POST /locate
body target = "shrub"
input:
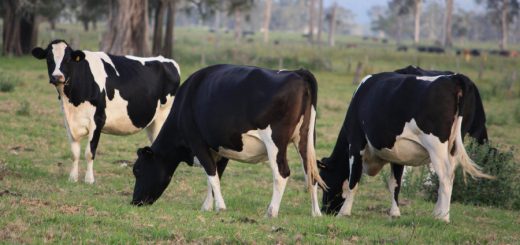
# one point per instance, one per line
(7, 83)
(504, 191)
(25, 109)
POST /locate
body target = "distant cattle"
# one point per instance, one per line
(469, 52)
(402, 48)
(408, 117)
(104, 93)
(243, 113)
(504, 53)
(430, 49)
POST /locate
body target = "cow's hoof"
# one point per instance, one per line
(222, 209)
(271, 212)
(316, 213)
(89, 179)
(207, 207)
(344, 215)
(73, 177)
(445, 218)
(394, 213)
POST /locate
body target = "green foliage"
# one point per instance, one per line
(25, 109)
(504, 191)
(7, 83)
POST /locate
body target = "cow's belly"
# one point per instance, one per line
(253, 149)
(117, 119)
(405, 152)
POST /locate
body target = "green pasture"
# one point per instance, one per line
(39, 205)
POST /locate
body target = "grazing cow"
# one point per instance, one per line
(103, 93)
(408, 117)
(243, 113)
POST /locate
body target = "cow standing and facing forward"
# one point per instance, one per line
(410, 117)
(103, 93)
(243, 113)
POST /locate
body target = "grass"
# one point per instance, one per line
(38, 204)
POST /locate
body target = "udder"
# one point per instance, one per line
(253, 149)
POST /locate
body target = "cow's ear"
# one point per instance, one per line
(145, 152)
(39, 53)
(77, 55)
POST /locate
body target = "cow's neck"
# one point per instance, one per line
(339, 155)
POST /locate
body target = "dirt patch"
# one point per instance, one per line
(16, 150)
(13, 232)
(9, 193)
(37, 204)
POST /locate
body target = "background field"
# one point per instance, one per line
(38, 204)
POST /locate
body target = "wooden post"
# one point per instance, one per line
(357, 74)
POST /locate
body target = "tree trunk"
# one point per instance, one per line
(320, 20)
(94, 24)
(52, 23)
(504, 25)
(267, 19)
(417, 20)
(170, 25)
(447, 24)
(158, 27)
(399, 29)
(127, 28)
(85, 25)
(11, 33)
(312, 15)
(238, 24)
(29, 32)
(332, 25)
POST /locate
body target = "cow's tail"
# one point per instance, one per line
(468, 165)
(313, 174)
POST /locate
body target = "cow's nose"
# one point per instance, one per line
(57, 78)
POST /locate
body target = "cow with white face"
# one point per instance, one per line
(409, 117)
(103, 93)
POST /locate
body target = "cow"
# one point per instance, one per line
(104, 93)
(409, 117)
(243, 113)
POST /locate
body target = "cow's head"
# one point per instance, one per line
(334, 177)
(152, 175)
(60, 59)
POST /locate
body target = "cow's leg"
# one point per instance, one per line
(75, 147)
(90, 151)
(394, 186)
(302, 149)
(444, 165)
(279, 167)
(208, 202)
(351, 184)
(152, 131)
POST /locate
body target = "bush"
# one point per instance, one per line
(7, 83)
(504, 191)
(25, 109)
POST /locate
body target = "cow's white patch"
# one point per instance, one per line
(104, 56)
(215, 187)
(279, 182)
(161, 114)
(97, 69)
(348, 194)
(77, 118)
(58, 51)
(208, 202)
(118, 121)
(76, 151)
(392, 184)
(253, 149)
(159, 58)
(430, 78)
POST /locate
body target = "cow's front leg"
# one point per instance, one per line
(75, 147)
(90, 152)
(350, 185)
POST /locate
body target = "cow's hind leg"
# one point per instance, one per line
(394, 186)
(208, 202)
(444, 165)
(279, 167)
(351, 184)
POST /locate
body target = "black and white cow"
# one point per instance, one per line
(242, 113)
(103, 93)
(409, 117)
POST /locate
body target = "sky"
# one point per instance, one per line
(361, 7)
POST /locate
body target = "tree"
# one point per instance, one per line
(320, 20)
(237, 7)
(89, 11)
(502, 13)
(417, 20)
(447, 41)
(332, 24)
(312, 17)
(267, 19)
(21, 21)
(127, 28)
